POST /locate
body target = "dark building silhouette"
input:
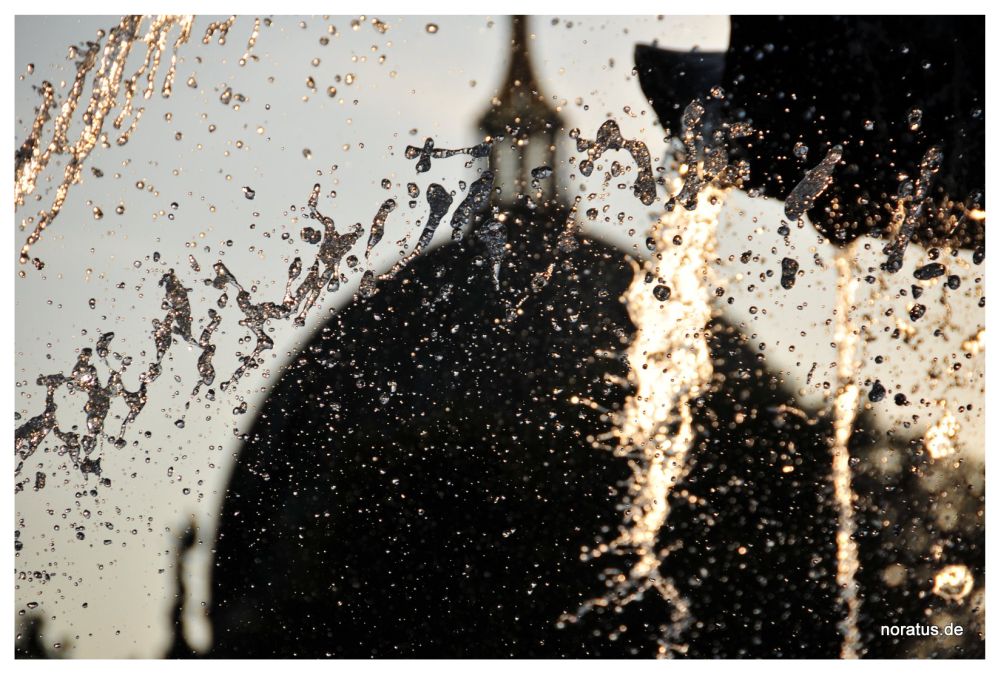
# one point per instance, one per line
(527, 122)
(420, 484)
(434, 498)
(179, 648)
(885, 88)
(28, 644)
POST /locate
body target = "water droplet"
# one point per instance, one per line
(661, 292)
(929, 271)
(877, 392)
(789, 268)
(812, 185)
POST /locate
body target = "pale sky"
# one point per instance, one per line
(434, 83)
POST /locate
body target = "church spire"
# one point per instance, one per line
(521, 114)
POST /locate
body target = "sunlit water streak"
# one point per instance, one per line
(845, 408)
(109, 82)
(670, 365)
(111, 88)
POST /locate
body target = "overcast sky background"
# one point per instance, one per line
(430, 84)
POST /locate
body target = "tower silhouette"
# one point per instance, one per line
(522, 116)
(420, 482)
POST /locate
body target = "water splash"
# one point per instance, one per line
(220, 27)
(109, 83)
(178, 321)
(939, 440)
(324, 274)
(378, 226)
(424, 154)
(656, 432)
(916, 197)
(706, 162)
(609, 137)
(475, 202)
(812, 186)
(494, 236)
(691, 123)
(248, 55)
(110, 86)
(954, 583)
(670, 365)
(438, 201)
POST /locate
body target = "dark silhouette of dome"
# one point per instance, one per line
(420, 481)
(420, 484)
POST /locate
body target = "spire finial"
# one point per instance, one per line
(520, 113)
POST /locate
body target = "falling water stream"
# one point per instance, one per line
(844, 414)
(670, 366)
